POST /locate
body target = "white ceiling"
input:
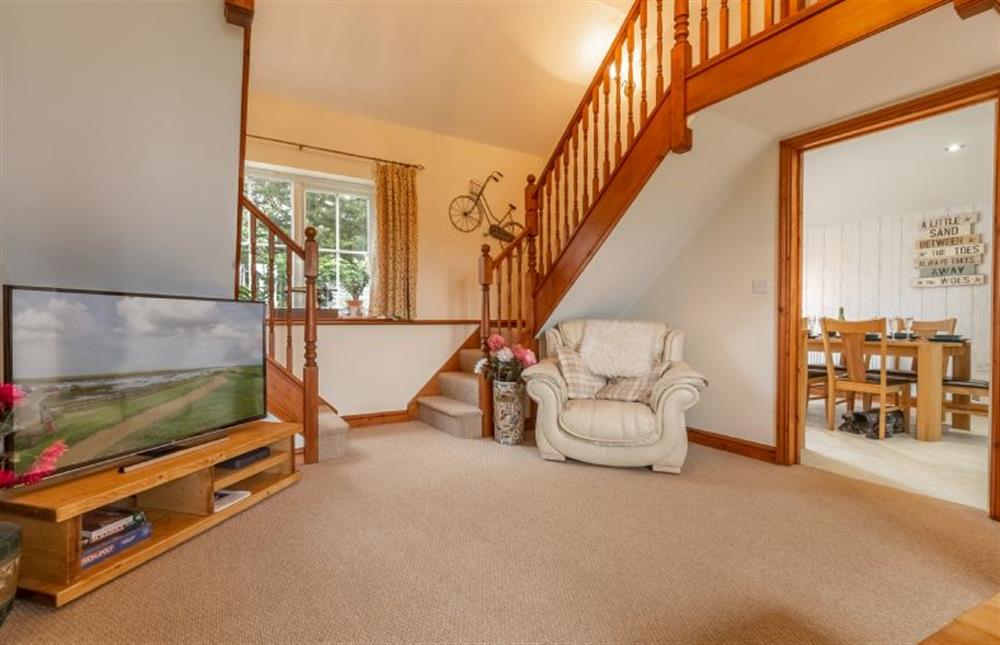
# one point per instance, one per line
(902, 170)
(499, 72)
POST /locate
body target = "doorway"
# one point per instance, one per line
(851, 247)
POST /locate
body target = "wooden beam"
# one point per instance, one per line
(239, 12)
(969, 8)
(811, 33)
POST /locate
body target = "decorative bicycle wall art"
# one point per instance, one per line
(468, 211)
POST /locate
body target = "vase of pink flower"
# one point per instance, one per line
(503, 367)
(44, 464)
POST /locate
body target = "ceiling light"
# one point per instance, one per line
(954, 147)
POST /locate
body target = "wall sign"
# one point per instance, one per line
(948, 252)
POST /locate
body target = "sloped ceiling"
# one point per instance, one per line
(929, 52)
(504, 73)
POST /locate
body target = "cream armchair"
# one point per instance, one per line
(651, 432)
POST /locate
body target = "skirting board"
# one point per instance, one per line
(376, 418)
(742, 447)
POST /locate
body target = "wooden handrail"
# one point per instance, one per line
(271, 226)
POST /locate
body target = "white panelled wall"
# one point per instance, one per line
(866, 267)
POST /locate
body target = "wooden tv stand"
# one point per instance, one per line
(176, 494)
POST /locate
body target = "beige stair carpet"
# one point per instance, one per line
(416, 537)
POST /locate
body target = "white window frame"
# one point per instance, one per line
(309, 180)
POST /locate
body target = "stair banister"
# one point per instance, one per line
(680, 63)
(310, 372)
(485, 281)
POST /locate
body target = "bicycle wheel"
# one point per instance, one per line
(464, 214)
(514, 228)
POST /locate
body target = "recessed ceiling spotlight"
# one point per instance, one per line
(954, 147)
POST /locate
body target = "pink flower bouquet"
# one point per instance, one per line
(505, 363)
(44, 465)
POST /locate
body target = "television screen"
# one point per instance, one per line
(113, 374)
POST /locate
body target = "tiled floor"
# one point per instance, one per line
(954, 469)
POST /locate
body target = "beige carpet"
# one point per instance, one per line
(418, 536)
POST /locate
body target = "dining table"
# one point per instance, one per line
(933, 358)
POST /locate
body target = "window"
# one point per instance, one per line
(340, 209)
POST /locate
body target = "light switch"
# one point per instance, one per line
(760, 286)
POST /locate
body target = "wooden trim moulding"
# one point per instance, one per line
(376, 418)
(734, 445)
(324, 318)
(789, 368)
(969, 8)
(239, 12)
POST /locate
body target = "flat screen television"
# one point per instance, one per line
(116, 374)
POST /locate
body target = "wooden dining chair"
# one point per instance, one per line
(972, 388)
(923, 329)
(857, 379)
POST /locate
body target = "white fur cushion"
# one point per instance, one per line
(619, 348)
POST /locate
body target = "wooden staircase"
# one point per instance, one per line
(635, 112)
(274, 269)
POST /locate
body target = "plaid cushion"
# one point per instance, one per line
(637, 389)
(580, 382)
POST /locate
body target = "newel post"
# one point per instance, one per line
(680, 63)
(310, 372)
(531, 227)
(485, 280)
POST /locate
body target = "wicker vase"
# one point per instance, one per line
(10, 554)
(508, 412)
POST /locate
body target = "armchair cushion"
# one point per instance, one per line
(610, 422)
(621, 348)
(580, 382)
(636, 389)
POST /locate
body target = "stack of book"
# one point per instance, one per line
(108, 531)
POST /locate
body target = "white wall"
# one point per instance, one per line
(375, 368)
(730, 331)
(866, 267)
(863, 201)
(120, 129)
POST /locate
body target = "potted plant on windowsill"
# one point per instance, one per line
(354, 278)
(503, 366)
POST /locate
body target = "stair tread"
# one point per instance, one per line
(449, 406)
(464, 376)
(330, 421)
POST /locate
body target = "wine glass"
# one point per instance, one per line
(908, 322)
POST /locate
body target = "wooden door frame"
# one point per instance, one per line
(789, 441)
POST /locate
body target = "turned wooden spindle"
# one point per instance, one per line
(576, 184)
(565, 160)
(531, 205)
(519, 276)
(485, 280)
(586, 156)
(703, 33)
(618, 105)
(768, 13)
(310, 371)
(288, 308)
(723, 25)
(659, 50)
(548, 213)
(499, 296)
(744, 20)
(253, 257)
(270, 294)
(607, 118)
(557, 221)
(509, 262)
(630, 85)
(596, 102)
(680, 63)
(643, 19)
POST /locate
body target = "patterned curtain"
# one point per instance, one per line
(394, 283)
